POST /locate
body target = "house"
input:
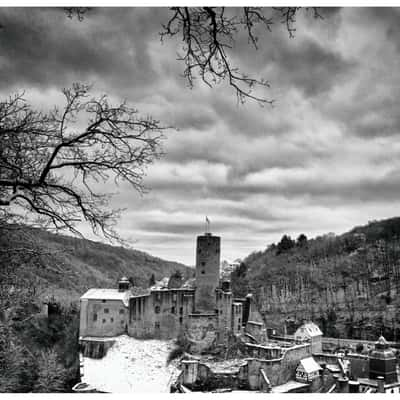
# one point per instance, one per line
(309, 332)
(307, 370)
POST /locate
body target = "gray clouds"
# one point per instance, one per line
(324, 158)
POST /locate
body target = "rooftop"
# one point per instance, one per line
(107, 294)
(288, 386)
(310, 328)
(310, 365)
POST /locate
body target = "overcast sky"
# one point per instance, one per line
(324, 159)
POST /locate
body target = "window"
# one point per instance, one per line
(157, 309)
(103, 301)
(94, 317)
(239, 327)
(203, 272)
(181, 310)
(157, 325)
(106, 311)
(111, 320)
(122, 322)
(104, 321)
(180, 320)
(172, 310)
(203, 263)
(122, 311)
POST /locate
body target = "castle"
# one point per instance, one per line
(204, 310)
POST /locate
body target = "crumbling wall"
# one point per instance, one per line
(202, 330)
(278, 370)
(224, 309)
(199, 377)
(95, 348)
(162, 314)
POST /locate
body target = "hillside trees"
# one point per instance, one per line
(239, 280)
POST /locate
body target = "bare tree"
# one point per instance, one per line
(208, 36)
(51, 163)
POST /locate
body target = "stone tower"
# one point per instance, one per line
(207, 272)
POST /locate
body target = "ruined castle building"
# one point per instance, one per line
(208, 256)
(204, 310)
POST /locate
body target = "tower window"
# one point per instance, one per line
(94, 317)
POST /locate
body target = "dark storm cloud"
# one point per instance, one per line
(311, 67)
(42, 47)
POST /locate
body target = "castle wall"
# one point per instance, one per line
(202, 331)
(103, 318)
(279, 370)
(237, 314)
(161, 315)
(207, 272)
(224, 309)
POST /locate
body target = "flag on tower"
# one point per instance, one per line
(207, 225)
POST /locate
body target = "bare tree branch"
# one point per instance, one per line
(208, 35)
(50, 164)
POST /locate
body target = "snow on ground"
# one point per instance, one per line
(131, 365)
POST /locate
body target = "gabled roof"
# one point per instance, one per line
(310, 329)
(309, 365)
(107, 294)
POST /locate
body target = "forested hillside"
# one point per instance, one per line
(349, 284)
(65, 267)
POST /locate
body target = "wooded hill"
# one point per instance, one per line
(349, 284)
(65, 267)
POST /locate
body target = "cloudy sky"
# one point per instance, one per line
(326, 157)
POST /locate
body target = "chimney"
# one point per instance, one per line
(381, 384)
(354, 387)
(123, 284)
(343, 384)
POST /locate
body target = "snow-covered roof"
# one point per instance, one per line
(107, 294)
(309, 365)
(161, 284)
(310, 329)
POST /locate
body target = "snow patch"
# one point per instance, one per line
(132, 365)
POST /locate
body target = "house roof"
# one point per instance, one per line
(107, 294)
(309, 365)
(310, 329)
